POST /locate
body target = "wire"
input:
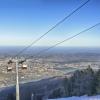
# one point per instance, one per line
(45, 50)
(61, 21)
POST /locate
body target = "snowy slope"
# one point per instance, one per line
(80, 98)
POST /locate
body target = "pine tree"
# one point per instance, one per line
(98, 82)
(83, 82)
(67, 87)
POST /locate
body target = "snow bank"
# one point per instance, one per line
(80, 98)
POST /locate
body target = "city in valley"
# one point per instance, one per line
(45, 66)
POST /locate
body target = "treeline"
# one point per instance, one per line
(82, 82)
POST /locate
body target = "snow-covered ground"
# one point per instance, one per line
(80, 98)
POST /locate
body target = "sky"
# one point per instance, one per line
(23, 21)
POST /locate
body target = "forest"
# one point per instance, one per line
(82, 82)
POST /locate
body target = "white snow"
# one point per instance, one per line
(79, 98)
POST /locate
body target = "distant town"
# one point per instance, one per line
(33, 69)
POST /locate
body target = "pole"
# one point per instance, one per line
(17, 81)
(32, 96)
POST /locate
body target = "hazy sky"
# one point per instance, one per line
(22, 21)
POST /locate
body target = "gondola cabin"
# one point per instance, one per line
(9, 68)
(24, 66)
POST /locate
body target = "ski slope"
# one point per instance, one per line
(79, 98)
